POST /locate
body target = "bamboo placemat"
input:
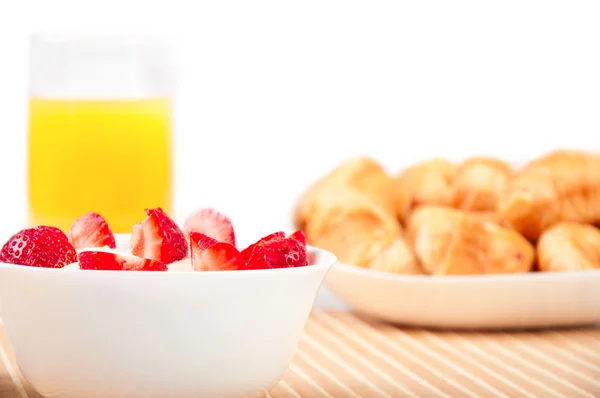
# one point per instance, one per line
(343, 355)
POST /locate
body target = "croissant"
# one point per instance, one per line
(428, 182)
(478, 184)
(569, 246)
(454, 242)
(360, 173)
(561, 186)
(359, 231)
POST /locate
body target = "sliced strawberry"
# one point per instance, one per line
(274, 236)
(299, 236)
(220, 256)
(211, 223)
(275, 251)
(145, 265)
(158, 238)
(201, 241)
(255, 256)
(41, 246)
(91, 230)
(247, 252)
(285, 253)
(98, 260)
(198, 244)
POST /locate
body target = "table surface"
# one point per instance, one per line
(343, 355)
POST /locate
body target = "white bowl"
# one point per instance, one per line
(157, 334)
(529, 300)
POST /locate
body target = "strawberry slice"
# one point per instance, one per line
(276, 251)
(98, 260)
(198, 244)
(221, 256)
(284, 253)
(299, 236)
(91, 230)
(211, 223)
(255, 256)
(247, 252)
(274, 236)
(42, 246)
(158, 238)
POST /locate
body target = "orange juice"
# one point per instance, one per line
(112, 157)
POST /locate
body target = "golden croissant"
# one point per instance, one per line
(360, 173)
(478, 183)
(569, 246)
(454, 242)
(428, 182)
(561, 186)
(358, 231)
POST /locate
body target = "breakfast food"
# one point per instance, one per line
(454, 242)
(209, 254)
(569, 246)
(91, 230)
(359, 231)
(561, 186)
(362, 174)
(479, 216)
(211, 223)
(428, 182)
(478, 183)
(42, 246)
(277, 251)
(155, 244)
(101, 260)
(158, 238)
(475, 185)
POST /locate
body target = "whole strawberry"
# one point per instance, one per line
(41, 246)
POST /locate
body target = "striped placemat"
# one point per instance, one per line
(343, 355)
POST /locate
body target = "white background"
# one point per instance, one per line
(272, 94)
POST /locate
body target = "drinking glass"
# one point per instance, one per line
(100, 136)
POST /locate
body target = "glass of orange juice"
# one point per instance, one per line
(100, 134)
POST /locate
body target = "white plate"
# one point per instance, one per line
(483, 302)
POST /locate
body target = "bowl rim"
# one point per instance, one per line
(442, 279)
(326, 261)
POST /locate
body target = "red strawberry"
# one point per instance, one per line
(255, 256)
(220, 256)
(247, 252)
(199, 243)
(91, 230)
(275, 251)
(158, 238)
(274, 236)
(285, 253)
(299, 236)
(211, 223)
(98, 260)
(41, 246)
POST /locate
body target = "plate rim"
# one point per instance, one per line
(442, 279)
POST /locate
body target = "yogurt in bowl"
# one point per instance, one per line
(157, 334)
(106, 324)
